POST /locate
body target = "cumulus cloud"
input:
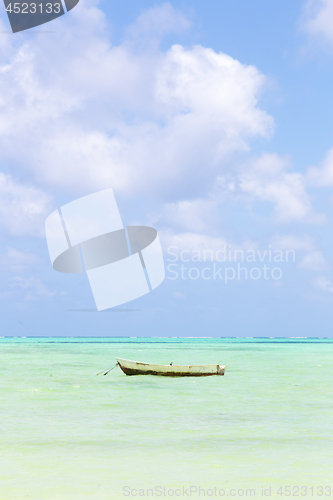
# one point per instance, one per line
(269, 179)
(324, 284)
(32, 288)
(23, 208)
(192, 241)
(190, 215)
(317, 20)
(202, 247)
(322, 175)
(303, 243)
(80, 114)
(188, 245)
(157, 22)
(17, 260)
(314, 261)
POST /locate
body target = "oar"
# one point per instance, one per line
(107, 370)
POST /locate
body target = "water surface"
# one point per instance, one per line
(68, 434)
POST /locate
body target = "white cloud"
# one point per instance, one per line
(268, 179)
(322, 175)
(81, 115)
(304, 243)
(317, 20)
(141, 120)
(203, 247)
(314, 261)
(22, 208)
(33, 288)
(190, 215)
(156, 22)
(323, 284)
(191, 242)
(16, 260)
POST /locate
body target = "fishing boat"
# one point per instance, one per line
(137, 368)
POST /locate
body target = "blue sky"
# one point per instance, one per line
(212, 123)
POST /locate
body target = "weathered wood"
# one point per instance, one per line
(137, 368)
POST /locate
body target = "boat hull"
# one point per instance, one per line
(137, 368)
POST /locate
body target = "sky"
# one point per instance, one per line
(212, 123)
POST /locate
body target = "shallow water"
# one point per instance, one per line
(68, 434)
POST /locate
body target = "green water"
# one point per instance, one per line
(68, 434)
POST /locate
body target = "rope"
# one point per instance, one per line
(107, 370)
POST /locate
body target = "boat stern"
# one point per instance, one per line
(220, 370)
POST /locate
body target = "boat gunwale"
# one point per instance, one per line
(168, 366)
(169, 370)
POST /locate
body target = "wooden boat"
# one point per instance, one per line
(136, 368)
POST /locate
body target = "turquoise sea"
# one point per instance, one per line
(265, 429)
